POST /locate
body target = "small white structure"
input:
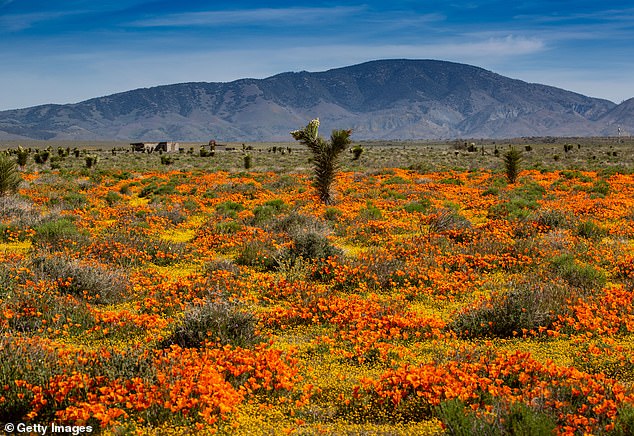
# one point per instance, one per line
(149, 147)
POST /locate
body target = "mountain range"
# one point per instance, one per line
(383, 99)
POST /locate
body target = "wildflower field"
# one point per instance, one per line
(432, 296)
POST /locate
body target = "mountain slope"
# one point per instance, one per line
(621, 116)
(380, 99)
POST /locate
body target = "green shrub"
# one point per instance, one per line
(452, 181)
(332, 214)
(551, 218)
(228, 227)
(370, 212)
(490, 191)
(56, 231)
(22, 359)
(265, 212)
(515, 419)
(421, 206)
(295, 223)
(229, 208)
(41, 157)
(574, 174)
(576, 274)
(395, 180)
(624, 425)
(167, 160)
(589, 229)
(520, 201)
(125, 189)
(112, 198)
(95, 282)
(257, 254)
(310, 246)
(600, 188)
(447, 219)
(525, 305)
(75, 200)
(221, 322)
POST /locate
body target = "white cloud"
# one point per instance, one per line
(249, 16)
(18, 22)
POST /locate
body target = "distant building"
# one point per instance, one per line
(149, 147)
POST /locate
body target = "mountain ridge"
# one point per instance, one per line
(382, 99)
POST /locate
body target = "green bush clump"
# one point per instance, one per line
(91, 160)
(624, 425)
(589, 229)
(332, 214)
(310, 246)
(215, 321)
(524, 305)
(98, 283)
(257, 254)
(21, 359)
(550, 218)
(515, 419)
(228, 227)
(520, 201)
(395, 180)
(579, 275)
(265, 212)
(41, 157)
(112, 198)
(229, 208)
(421, 206)
(447, 219)
(56, 231)
(600, 188)
(75, 200)
(370, 212)
(451, 181)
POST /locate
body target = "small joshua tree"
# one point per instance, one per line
(23, 156)
(512, 159)
(9, 177)
(357, 150)
(325, 154)
(91, 160)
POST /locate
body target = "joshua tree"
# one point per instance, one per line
(325, 154)
(512, 160)
(9, 177)
(91, 160)
(247, 161)
(23, 156)
(357, 150)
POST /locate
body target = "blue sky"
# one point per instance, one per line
(68, 51)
